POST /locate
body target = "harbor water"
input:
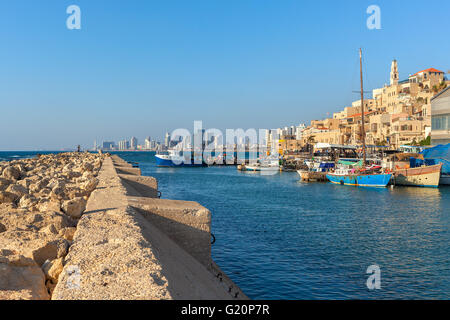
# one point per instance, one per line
(279, 238)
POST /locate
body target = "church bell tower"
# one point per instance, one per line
(394, 73)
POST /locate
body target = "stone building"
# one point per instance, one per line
(440, 118)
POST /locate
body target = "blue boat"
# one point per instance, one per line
(360, 180)
(174, 159)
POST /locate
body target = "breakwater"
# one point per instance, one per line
(126, 243)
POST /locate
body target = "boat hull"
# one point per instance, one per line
(364, 180)
(255, 168)
(167, 162)
(428, 176)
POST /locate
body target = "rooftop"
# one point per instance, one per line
(359, 114)
(428, 70)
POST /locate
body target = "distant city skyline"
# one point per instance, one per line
(146, 68)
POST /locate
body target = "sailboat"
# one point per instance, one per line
(360, 176)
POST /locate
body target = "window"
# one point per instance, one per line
(440, 122)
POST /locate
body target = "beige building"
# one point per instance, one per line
(405, 130)
(399, 113)
(440, 115)
(287, 146)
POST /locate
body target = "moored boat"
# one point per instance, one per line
(359, 179)
(410, 169)
(263, 164)
(172, 158)
(425, 176)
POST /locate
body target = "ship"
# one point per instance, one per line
(263, 164)
(177, 158)
(410, 169)
(359, 178)
(357, 174)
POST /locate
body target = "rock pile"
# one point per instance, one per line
(41, 201)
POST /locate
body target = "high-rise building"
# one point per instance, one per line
(167, 140)
(108, 145)
(133, 143)
(147, 143)
(124, 145)
(299, 131)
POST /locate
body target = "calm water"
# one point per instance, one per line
(278, 238)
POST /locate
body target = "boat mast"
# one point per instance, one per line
(363, 132)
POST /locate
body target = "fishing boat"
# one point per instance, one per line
(176, 158)
(350, 177)
(353, 174)
(410, 169)
(425, 176)
(263, 164)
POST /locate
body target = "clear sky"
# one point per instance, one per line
(139, 68)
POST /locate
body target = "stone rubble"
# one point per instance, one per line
(41, 201)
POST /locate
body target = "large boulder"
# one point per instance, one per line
(21, 278)
(38, 246)
(17, 189)
(87, 166)
(68, 233)
(75, 207)
(52, 269)
(4, 183)
(46, 205)
(89, 185)
(27, 201)
(8, 197)
(39, 185)
(11, 173)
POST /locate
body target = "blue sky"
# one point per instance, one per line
(139, 68)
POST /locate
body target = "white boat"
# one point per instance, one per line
(264, 164)
(176, 158)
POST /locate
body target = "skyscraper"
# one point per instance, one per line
(167, 140)
(147, 143)
(133, 143)
(108, 145)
